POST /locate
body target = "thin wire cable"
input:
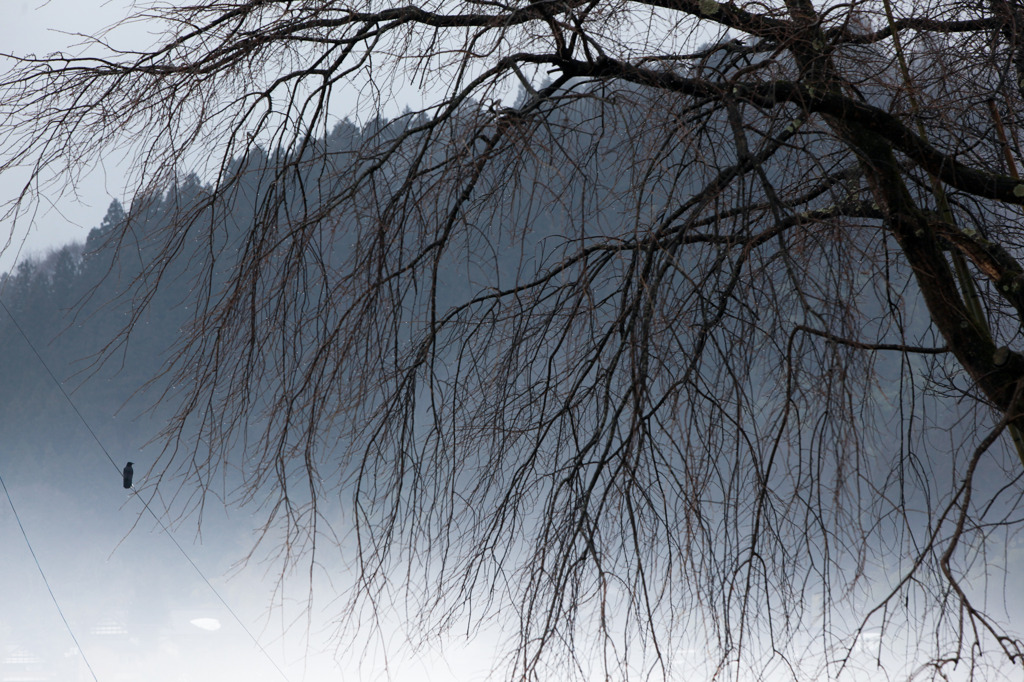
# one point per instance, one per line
(138, 496)
(46, 582)
(209, 584)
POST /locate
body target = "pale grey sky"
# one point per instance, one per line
(39, 27)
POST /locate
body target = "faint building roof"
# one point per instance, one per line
(108, 626)
(19, 664)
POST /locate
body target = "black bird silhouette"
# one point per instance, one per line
(128, 473)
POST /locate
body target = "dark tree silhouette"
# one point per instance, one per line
(706, 341)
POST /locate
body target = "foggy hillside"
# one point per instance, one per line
(132, 598)
(110, 337)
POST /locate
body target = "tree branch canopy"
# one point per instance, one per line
(638, 328)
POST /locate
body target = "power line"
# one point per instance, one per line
(45, 581)
(138, 496)
(209, 584)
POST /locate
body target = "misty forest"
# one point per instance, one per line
(582, 339)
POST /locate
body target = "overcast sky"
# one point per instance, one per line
(39, 27)
(35, 26)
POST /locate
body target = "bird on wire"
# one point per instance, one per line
(128, 473)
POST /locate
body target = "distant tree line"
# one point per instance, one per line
(75, 303)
